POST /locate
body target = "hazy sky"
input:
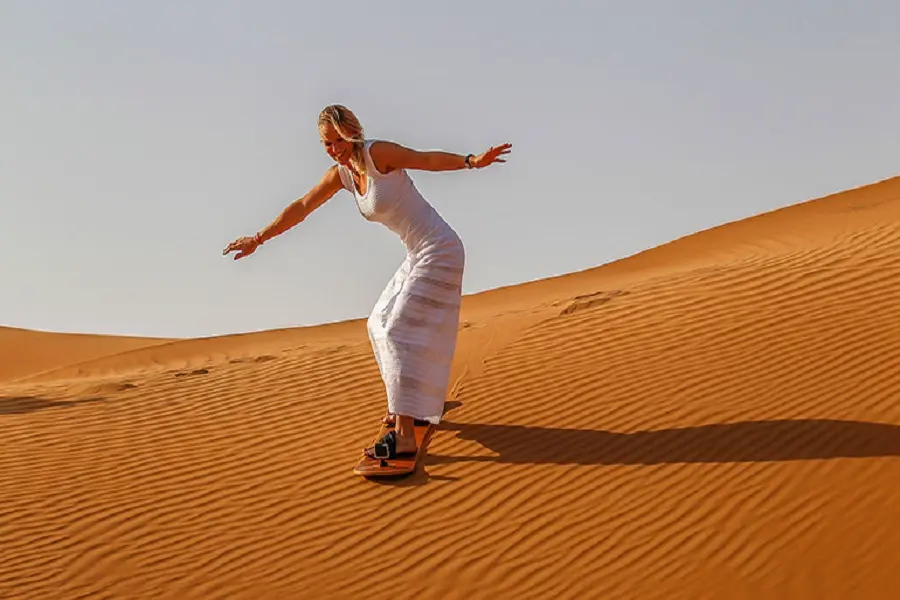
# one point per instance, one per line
(137, 139)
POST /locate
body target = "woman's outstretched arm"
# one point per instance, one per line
(293, 214)
(297, 211)
(388, 156)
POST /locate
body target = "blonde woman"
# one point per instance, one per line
(413, 325)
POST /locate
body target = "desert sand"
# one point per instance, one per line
(718, 417)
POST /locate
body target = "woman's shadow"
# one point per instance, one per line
(745, 441)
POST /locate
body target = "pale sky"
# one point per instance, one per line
(137, 139)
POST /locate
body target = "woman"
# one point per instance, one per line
(413, 326)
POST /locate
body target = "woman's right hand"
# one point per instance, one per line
(244, 246)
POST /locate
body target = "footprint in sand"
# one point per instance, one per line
(257, 359)
(587, 301)
(194, 372)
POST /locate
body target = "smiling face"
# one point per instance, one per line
(339, 149)
(342, 134)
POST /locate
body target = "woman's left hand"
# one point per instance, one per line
(494, 154)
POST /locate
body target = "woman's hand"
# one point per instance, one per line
(244, 246)
(493, 155)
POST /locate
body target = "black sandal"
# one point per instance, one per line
(386, 448)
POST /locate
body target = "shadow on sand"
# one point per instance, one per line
(738, 442)
(27, 404)
(746, 441)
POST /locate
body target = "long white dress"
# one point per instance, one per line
(413, 325)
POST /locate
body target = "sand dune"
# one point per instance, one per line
(24, 352)
(714, 418)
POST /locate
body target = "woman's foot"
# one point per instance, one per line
(406, 434)
(406, 444)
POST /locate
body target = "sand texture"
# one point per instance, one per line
(718, 417)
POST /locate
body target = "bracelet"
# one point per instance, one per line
(258, 238)
(468, 164)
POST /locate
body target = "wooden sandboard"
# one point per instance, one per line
(368, 467)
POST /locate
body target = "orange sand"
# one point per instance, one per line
(718, 417)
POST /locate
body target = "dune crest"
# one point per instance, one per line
(715, 417)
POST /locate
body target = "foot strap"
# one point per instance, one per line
(386, 448)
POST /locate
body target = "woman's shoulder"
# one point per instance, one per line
(375, 150)
(369, 143)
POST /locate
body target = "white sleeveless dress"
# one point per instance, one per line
(413, 326)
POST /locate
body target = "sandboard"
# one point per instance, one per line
(368, 467)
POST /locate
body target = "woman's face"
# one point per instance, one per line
(337, 147)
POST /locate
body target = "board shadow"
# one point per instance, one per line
(739, 442)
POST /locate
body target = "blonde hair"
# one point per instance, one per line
(349, 128)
